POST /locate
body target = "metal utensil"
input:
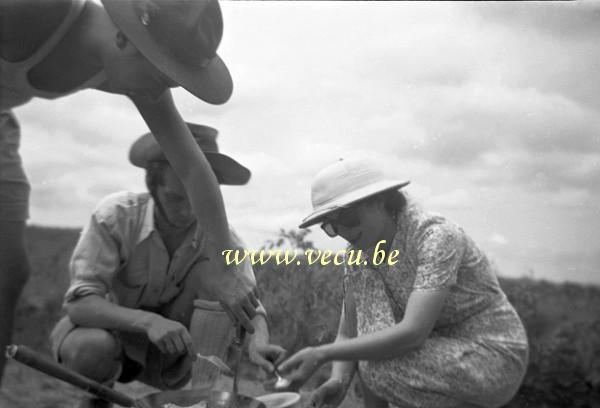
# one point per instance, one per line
(237, 346)
(217, 362)
(281, 382)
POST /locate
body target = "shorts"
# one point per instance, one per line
(141, 360)
(14, 186)
(212, 333)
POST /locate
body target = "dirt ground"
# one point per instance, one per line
(25, 388)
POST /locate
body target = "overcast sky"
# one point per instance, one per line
(492, 111)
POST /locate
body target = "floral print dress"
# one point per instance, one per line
(476, 355)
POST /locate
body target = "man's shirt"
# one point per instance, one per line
(121, 256)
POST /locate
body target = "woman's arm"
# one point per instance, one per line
(206, 200)
(304, 363)
(343, 371)
(422, 311)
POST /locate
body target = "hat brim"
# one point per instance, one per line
(347, 199)
(227, 170)
(212, 83)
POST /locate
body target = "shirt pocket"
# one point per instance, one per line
(129, 285)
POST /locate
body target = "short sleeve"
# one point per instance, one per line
(440, 251)
(94, 262)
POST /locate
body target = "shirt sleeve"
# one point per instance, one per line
(94, 263)
(440, 252)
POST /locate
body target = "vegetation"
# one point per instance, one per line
(562, 320)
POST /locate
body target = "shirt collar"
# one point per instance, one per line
(148, 226)
(148, 221)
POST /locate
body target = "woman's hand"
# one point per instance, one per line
(265, 355)
(329, 395)
(299, 367)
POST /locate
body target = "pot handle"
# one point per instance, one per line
(33, 359)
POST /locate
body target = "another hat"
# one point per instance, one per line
(227, 170)
(180, 38)
(343, 183)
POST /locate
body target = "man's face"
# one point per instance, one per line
(172, 199)
(129, 72)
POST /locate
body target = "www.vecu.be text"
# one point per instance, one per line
(310, 256)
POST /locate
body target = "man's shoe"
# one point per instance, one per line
(92, 402)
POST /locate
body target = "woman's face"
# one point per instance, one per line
(363, 224)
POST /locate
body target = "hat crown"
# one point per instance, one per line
(190, 29)
(205, 136)
(228, 171)
(342, 178)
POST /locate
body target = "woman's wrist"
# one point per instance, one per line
(323, 353)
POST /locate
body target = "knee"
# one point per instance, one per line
(94, 353)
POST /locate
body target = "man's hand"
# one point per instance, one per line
(265, 355)
(170, 336)
(236, 295)
(329, 395)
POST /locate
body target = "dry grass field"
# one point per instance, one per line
(562, 320)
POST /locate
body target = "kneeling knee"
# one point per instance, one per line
(94, 353)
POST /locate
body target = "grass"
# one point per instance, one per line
(562, 322)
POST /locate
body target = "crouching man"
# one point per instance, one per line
(136, 306)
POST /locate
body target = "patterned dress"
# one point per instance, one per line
(476, 354)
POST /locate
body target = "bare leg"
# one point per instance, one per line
(14, 272)
(94, 353)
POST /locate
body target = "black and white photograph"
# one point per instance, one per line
(270, 204)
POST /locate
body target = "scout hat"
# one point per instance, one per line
(343, 183)
(228, 171)
(180, 38)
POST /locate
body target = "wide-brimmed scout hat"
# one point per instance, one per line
(345, 182)
(179, 37)
(228, 171)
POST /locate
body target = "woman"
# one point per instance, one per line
(138, 49)
(430, 326)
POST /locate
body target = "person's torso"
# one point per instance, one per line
(15, 86)
(148, 275)
(475, 302)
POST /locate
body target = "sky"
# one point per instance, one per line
(492, 110)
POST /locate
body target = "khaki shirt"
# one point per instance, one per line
(121, 256)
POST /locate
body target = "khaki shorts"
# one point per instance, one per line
(212, 333)
(14, 187)
(141, 360)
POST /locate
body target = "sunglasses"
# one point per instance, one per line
(346, 217)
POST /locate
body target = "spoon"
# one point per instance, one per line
(217, 362)
(281, 382)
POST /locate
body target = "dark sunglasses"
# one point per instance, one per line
(346, 217)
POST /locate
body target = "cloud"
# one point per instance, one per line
(554, 43)
(498, 239)
(454, 198)
(490, 110)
